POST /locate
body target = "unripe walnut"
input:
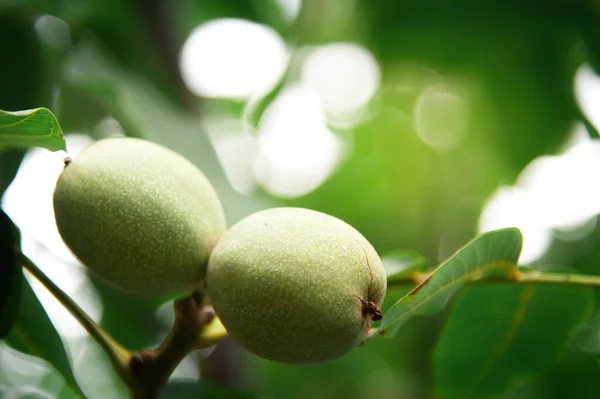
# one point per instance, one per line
(139, 215)
(295, 285)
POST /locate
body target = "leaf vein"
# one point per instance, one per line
(502, 347)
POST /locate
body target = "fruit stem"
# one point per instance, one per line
(119, 356)
(516, 276)
(213, 332)
(534, 276)
(196, 326)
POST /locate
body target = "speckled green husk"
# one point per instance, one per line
(287, 284)
(139, 215)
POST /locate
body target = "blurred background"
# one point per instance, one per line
(419, 123)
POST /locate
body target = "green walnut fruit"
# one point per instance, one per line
(139, 215)
(295, 286)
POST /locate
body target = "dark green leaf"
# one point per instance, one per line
(34, 334)
(10, 161)
(498, 335)
(491, 253)
(401, 265)
(10, 274)
(574, 378)
(393, 295)
(31, 128)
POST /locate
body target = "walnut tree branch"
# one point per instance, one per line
(517, 277)
(196, 326)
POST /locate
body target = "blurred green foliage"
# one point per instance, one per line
(518, 60)
(495, 351)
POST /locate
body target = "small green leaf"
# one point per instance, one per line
(402, 265)
(34, 334)
(491, 253)
(499, 335)
(10, 274)
(31, 128)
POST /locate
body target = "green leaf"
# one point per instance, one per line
(31, 128)
(573, 378)
(10, 161)
(10, 274)
(402, 265)
(34, 334)
(492, 253)
(498, 335)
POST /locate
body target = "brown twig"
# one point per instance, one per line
(194, 328)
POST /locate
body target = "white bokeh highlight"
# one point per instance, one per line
(587, 90)
(28, 202)
(232, 58)
(236, 149)
(344, 77)
(567, 189)
(296, 150)
(290, 9)
(553, 193)
(517, 207)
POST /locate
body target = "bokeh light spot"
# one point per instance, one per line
(297, 152)
(553, 193)
(566, 185)
(28, 200)
(587, 90)
(441, 116)
(235, 148)
(289, 9)
(344, 77)
(232, 58)
(53, 31)
(515, 207)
